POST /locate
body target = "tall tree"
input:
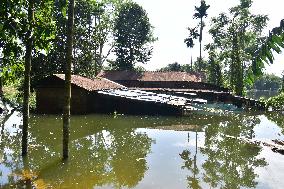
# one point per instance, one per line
(28, 58)
(25, 27)
(67, 104)
(93, 27)
(214, 69)
(132, 35)
(93, 34)
(282, 87)
(200, 13)
(236, 37)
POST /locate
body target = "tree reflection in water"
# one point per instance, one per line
(191, 165)
(277, 118)
(231, 162)
(100, 155)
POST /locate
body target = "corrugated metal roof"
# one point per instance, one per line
(146, 96)
(150, 76)
(91, 84)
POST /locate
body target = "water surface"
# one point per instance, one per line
(109, 151)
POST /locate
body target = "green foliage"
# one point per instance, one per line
(282, 87)
(172, 67)
(93, 28)
(264, 53)
(176, 67)
(277, 102)
(132, 35)
(200, 65)
(13, 94)
(267, 82)
(235, 38)
(214, 70)
(14, 33)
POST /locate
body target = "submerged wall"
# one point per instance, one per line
(50, 100)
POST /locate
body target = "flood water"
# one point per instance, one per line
(108, 151)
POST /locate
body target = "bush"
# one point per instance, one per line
(277, 102)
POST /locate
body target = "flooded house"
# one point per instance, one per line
(101, 95)
(190, 85)
(156, 80)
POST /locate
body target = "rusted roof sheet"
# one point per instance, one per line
(150, 76)
(91, 84)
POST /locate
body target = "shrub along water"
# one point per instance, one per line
(277, 102)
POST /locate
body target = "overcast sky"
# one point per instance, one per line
(171, 18)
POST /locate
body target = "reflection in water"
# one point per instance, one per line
(278, 118)
(109, 152)
(191, 165)
(114, 157)
(231, 162)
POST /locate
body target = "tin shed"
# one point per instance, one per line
(50, 93)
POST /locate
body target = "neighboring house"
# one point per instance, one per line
(50, 93)
(155, 81)
(103, 96)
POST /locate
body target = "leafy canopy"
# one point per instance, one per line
(132, 35)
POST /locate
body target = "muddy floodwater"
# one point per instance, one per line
(115, 151)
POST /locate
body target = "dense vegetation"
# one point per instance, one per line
(276, 103)
(267, 82)
(39, 38)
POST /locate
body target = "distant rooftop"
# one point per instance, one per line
(91, 84)
(150, 76)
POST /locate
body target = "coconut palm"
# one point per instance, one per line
(200, 13)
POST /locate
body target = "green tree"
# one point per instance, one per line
(28, 58)
(67, 104)
(93, 30)
(200, 13)
(176, 67)
(214, 70)
(282, 87)
(28, 31)
(236, 37)
(268, 82)
(132, 35)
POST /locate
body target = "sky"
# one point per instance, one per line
(171, 19)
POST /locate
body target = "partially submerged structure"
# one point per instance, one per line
(151, 93)
(103, 96)
(188, 85)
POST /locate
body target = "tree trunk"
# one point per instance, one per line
(1, 87)
(96, 67)
(66, 108)
(101, 45)
(28, 57)
(200, 39)
(282, 89)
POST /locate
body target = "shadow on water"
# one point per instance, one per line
(112, 152)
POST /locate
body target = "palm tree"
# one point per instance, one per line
(66, 108)
(200, 13)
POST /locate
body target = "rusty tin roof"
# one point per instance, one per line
(91, 84)
(150, 76)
